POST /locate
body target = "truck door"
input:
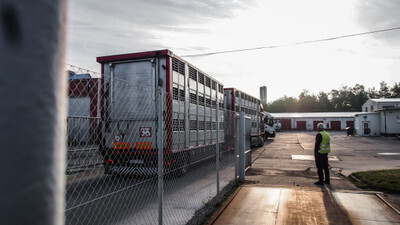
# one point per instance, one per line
(130, 105)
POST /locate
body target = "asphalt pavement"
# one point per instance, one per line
(280, 189)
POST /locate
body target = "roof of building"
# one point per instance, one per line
(365, 113)
(380, 100)
(315, 115)
(387, 109)
(84, 76)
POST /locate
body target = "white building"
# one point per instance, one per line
(367, 124)
(309, 121)
(380, 122)
(382, 103)
(379, 117)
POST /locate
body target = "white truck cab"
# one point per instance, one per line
(270, 125)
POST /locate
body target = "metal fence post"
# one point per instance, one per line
(242, 148)
(160, 138)
(236, 119)
(33, 112)
(217, 147)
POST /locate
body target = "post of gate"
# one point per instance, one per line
(217, 146)
(160, 145)
(33, 112)
(242, 148)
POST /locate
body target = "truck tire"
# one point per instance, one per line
(185, 166)
(260, 141)
(107, 169)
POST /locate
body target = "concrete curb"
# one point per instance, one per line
(220, 210)
(388, 204)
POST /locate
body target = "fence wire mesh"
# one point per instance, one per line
(112, 159)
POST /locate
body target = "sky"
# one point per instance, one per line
(194, 27)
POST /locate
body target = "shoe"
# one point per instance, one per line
(327, 182)
(319, 183)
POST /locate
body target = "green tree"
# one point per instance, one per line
(307, 102)
(285, 104)
(345, 99)
(360, 96)
(324, 103)
(395, 90)
(341, 99)
(384, 91)
(372, 93)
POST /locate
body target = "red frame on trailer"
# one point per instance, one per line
(131, 56)
(87, 87)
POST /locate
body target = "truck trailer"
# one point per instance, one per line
(238, 101)
(129, 112)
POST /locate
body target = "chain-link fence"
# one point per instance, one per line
(135, 157)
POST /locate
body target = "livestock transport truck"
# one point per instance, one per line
(238, 101)
(130, 108)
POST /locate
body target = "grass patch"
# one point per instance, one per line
(387, 181)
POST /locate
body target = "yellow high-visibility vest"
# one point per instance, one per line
(325, 146)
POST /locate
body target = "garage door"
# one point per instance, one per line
(286, 124)
(315, 124)
(349, 123)
(335, 125)
(301, 125)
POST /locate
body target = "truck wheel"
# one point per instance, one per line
(107, 169)
(184, 166)
(260, 141)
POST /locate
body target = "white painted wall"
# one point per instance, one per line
(390, 122)
(373, 122)
(326, 121)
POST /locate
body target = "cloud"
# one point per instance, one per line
(211, 8)
(157, 13)
(382, 14)
(101, 27)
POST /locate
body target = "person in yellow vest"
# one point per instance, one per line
(321, 150)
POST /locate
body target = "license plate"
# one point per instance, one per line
(136, 161)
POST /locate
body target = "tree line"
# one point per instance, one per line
(345, 99)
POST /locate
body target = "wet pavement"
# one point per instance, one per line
(279, 188)
(261, 205)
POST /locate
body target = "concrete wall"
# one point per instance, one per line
(390, 122)
(366, 107)
(310, 122)
(367, 120)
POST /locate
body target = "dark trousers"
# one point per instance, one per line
(321, 161)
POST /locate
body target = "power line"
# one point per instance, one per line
(297, 43)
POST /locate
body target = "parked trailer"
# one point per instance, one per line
(129, 112)
(83, 109)
(238, 101)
